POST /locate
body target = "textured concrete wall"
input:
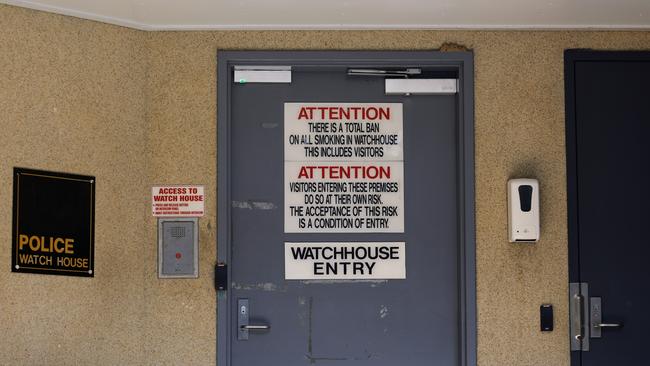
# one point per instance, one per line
(137, 109)
(519, 132)
(72, 100)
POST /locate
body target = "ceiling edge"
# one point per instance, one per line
(220, 27)
(446, 27)
(76, 13)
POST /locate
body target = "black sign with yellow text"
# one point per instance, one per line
(53, 223)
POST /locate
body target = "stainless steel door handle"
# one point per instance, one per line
(596, 321)
(579, 312)
(243, 317)
(255, 327)
(578, 318)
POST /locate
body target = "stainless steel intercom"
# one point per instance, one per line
(178, 247)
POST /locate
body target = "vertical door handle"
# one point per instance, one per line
(578, 319)
(580, 328)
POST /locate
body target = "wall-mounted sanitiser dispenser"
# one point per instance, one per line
(523, 210)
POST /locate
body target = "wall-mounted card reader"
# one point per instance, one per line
(178, 248)
(523, 210)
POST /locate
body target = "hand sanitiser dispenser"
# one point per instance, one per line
(523, 210)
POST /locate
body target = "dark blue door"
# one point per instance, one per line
(608, 129)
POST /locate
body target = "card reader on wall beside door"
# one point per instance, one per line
(523, 210)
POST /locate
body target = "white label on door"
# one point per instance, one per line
(343, 168)
(342, 261)
(343, 132)
(343, 197)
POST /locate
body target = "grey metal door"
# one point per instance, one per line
(425, 319)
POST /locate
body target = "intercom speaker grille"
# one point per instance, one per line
(177, 231)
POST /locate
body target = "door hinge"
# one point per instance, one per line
(221, 276)
(262, 74)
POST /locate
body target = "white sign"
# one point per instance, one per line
(343, 132)
(344, 197)
(177, 201)
(341, 261)
(343, 169)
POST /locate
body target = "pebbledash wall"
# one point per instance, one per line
(138, 108)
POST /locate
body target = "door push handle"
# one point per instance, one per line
(578, 300)
(608, 325)
(580, 328)
(255, 327)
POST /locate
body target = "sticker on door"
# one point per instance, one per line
(343, 167)
(340, 261)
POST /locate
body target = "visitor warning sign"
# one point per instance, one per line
(344, 197)
(343, 169)
(339, 261)
(177, 201)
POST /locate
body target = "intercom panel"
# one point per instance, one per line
(178, 248)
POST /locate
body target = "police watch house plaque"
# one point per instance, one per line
(53, 223)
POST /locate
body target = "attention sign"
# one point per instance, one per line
(53, 223)
(343, 168)
(177, 201)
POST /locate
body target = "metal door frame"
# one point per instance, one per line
(571, 58)
(463, 62)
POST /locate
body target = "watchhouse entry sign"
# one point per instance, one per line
(344, 173)
(53, 223)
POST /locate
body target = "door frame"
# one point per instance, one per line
(571, 58)
(463, 62)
